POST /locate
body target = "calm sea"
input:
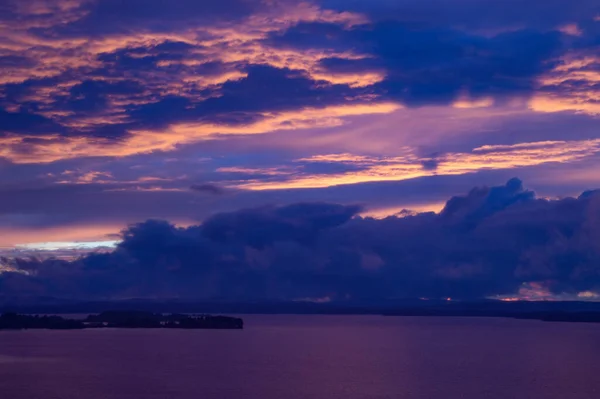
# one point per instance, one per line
(293, 357)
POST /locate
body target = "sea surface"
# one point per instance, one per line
(293, 357)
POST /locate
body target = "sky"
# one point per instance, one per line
(114, 112)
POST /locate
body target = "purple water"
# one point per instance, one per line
(293, 357)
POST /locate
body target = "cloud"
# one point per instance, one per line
(263, 89)
(26, 122)
(480, 16)
(282, 102)
(104, 78)
(490, 242)
(260, 227)
(344, 169)
(208, 188)
(433, 65)
(429, 164)
(30, 149)
(102, 69)
(110, 17)
(571, 29)
(573, 85)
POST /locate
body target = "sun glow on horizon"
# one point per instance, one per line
(74, 245)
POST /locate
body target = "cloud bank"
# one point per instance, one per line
(496, 241)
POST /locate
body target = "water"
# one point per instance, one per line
(293, 357)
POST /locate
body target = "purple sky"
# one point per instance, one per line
(113, 112)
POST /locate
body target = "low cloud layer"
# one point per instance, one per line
(498, 241)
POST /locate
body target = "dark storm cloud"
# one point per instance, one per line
(153, 83)
(488, 242)
(486, 15)
(430, 164)
(133, 76)
(98, 88)
(143, 59)
(88, 97)
(279, 89)
(92, 95)
(264, 89)
(19, 92)
(8, 61)
(434, 65)
(261, 227)
(27, 122)
(208, 188)
(343, 65)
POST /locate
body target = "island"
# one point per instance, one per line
(120, 319)
(14, 321)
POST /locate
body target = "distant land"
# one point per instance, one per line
(568, 311)
(119, 319)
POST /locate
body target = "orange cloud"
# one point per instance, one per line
(553, 103)
(570, 29)
(409, 209)
(77, 177)
(571, 86)
(262, 171)
(226, 43)
(409, 166)
(50, 148)
(466, 102)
